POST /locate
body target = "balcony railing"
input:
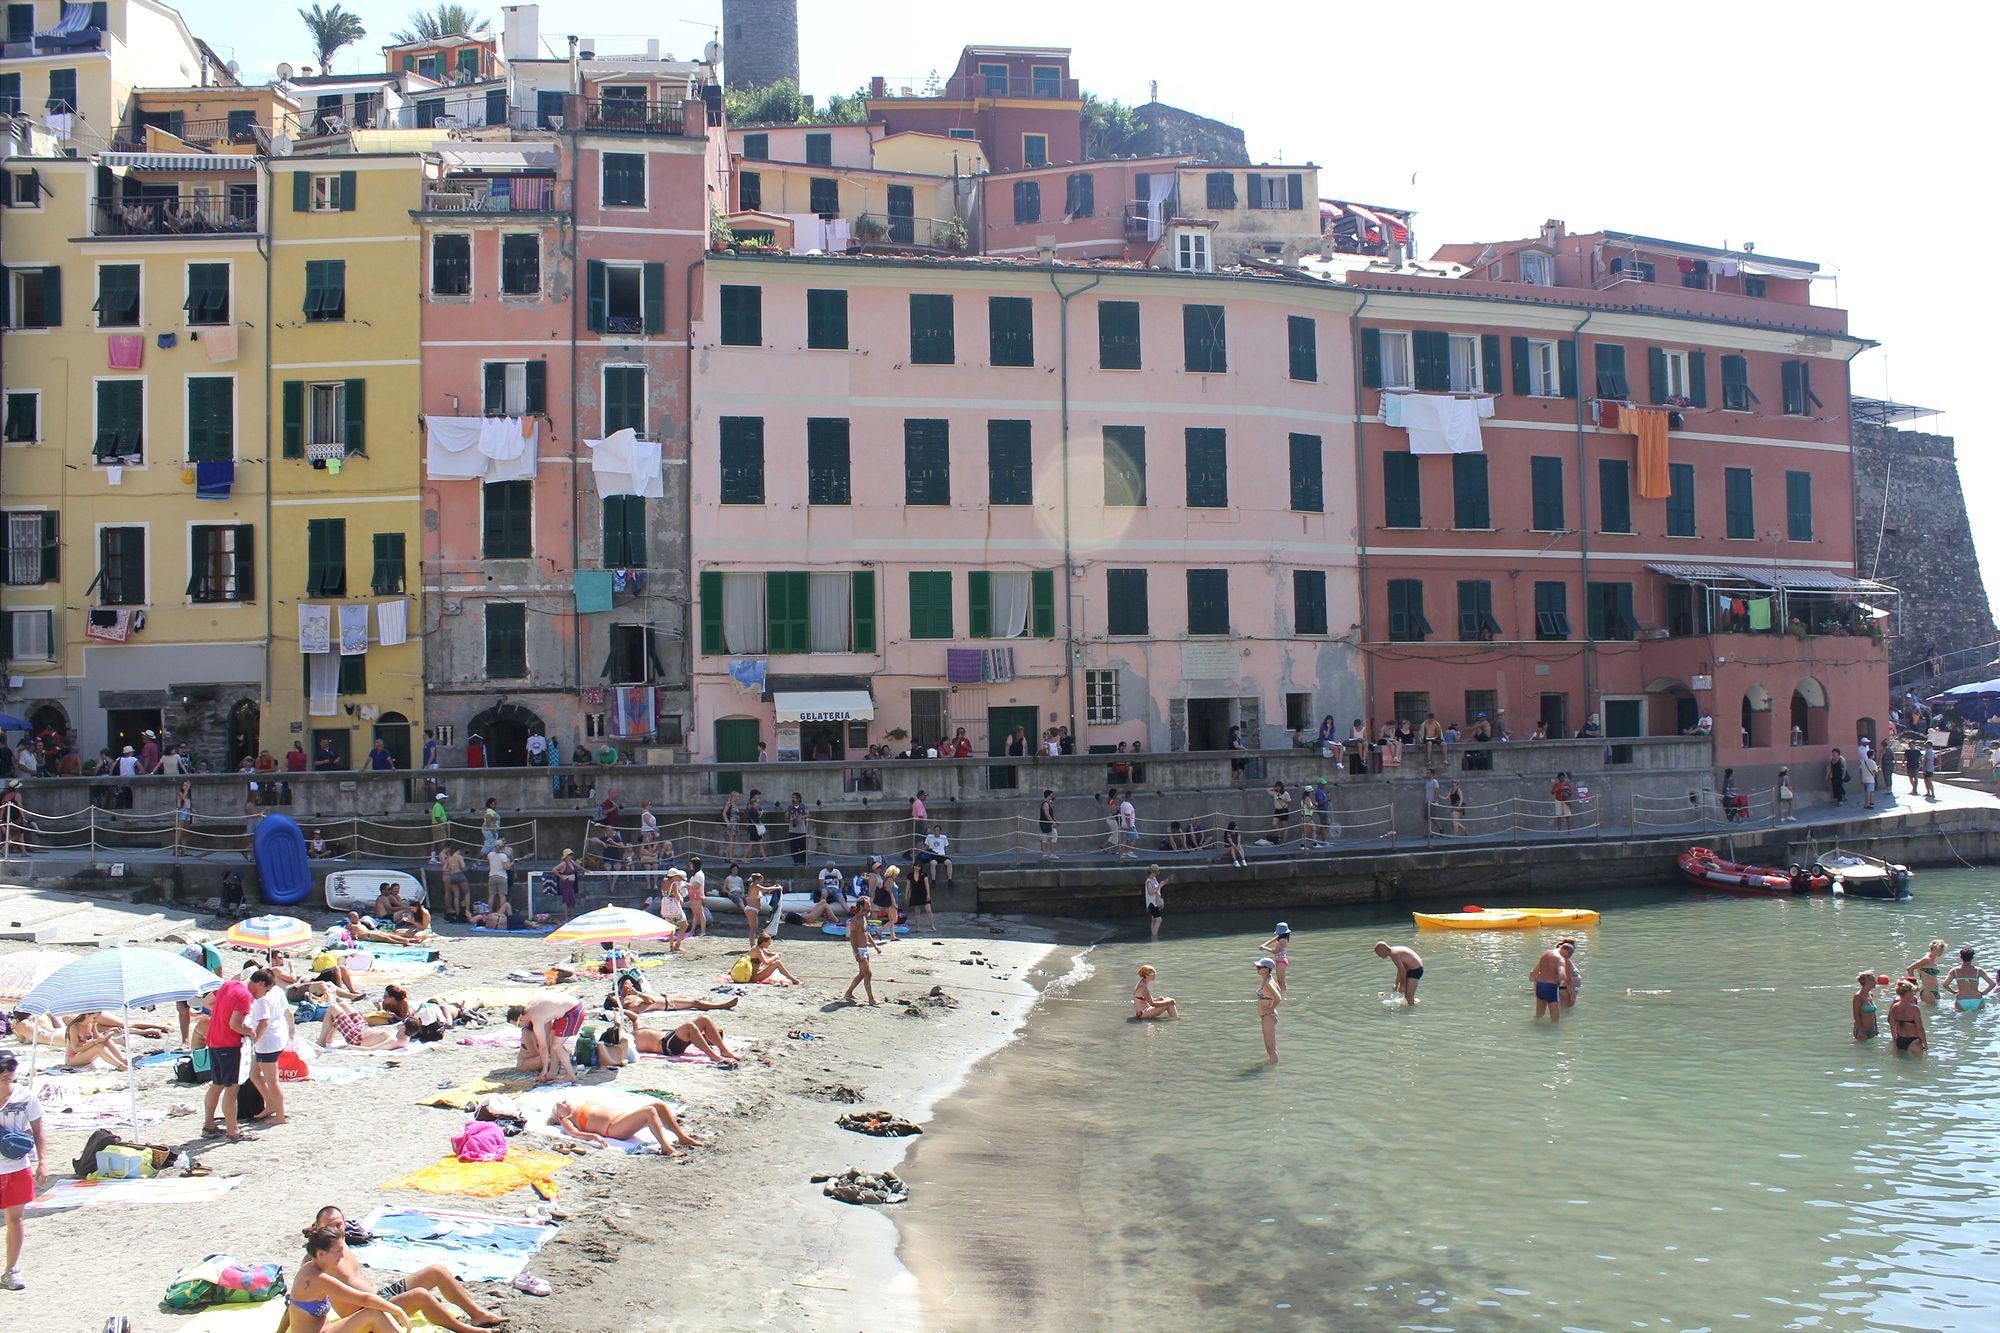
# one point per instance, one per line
(132, 138)
(618, 115)
(983, 85)
(180, 215)
(896, 229)
(497, 194)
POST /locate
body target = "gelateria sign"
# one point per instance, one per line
(824, 706)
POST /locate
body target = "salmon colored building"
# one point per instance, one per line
(1019, 102)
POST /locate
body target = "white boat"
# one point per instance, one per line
(1859, 876)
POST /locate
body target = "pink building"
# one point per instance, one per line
(1019, 102)
(916, 505)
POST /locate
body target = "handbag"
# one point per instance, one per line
(759, 826)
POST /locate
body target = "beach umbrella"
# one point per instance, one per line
(123, 979)
(613, 923)
(271, 932)
(8, 722)
(22, 972)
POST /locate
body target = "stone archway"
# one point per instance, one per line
(1756, 717)
(1808, 713)
(245, 723)
(505, 728)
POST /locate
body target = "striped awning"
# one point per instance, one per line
(180, 161)
(1771, 576)
(511, 157)
(1724, 574)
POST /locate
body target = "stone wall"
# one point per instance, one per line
(1169, 131)
(760, 42)
(1908, 503)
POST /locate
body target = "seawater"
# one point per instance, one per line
(1700, 1144)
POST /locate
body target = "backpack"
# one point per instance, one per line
(742, 969)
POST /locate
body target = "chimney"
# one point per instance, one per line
(1399, 254)
(878, 86)
(1552, 231)
(520, 31)
(652, 48)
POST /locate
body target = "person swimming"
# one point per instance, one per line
(1906, 1019)
(1276, 946)
(1925, 972)
(1864, 1007)
(1145, 1004)
(1969, 984)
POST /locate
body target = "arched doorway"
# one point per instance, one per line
(1671, 709)
(47, 719)
(1808, 721)
(245, 721)
(1756, 718)
(393, 730)
(505, 729)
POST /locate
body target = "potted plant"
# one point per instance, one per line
(869, 229)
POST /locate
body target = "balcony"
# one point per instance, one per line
(198, 133)
(497, 194)
(898, 229)
(994, 85)
(176, 215)
(617, 115)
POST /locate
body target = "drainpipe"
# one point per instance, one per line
(270, 468)
(577, 275)
(1583, 524)
(1069, 564)
(1361, 512)
(688, 628)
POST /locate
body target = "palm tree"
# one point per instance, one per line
(331, 29)
(443, 21)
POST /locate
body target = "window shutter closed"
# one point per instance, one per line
(711, 612)
(1698, 379)
(302, 191)
(1431, 350)
(493, 394)
(51, 546)
(246, 563)
(1656, 373)
(598, 280)
(536, 374)
(979, 599)
(1371, 358)
(347, 191)
(1524, 380)
(655, 281)
(787, 612)
(1489, 362)
(1042, 598)
(52, 298)
(1256, 184)
(864, 610)
(1566, 366)
(294, 412)
(357, 417)
(1295, 185)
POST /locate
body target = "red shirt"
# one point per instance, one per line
(232, 1001)
(295, 761)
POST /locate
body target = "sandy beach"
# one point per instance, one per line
(732, 1233)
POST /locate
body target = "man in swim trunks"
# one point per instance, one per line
(1572, 980)
(1409, 968)
(1968, 983)
(1550, 970)
(555, 1021)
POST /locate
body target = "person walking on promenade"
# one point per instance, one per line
(1128, 826)
(1281, 814)
(1455, 801)
(1430, 803)
(489, 826)
(1729, 796)
(440, 821)
(1564, 791)
(1836, 777)
(1930, 771)
(795, 828)
(1550, 970)
(21, 1179)
(1046, 822)
(861, 943)
(1156, 902)
(1913, 762)
(1269, 997)
(1786, 796)
(1409, 968)
(1870, 772)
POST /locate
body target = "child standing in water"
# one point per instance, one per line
(1906, 1019)
(1145, 1004)
(1269, 997)
(1925, 971)
(1864, 1007)
(1968, 983)
(1276, 946)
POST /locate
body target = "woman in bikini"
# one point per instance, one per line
(599, 1124)
(1906, 1019)
(85, 1039)
(422, 1292)
(1968, 983)
(1269, 997)
(1276, 947)
(702, 1034)
(766, 966)
(1864, 1007)
(1145, 1004)
(1925, 972)
(309, 1303)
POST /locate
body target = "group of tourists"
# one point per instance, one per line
(1925, 983)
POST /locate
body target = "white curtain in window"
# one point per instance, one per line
(323, 684)
(24, 548)
(832, 612)
(743, 613)
(1010, 605)
(1465, 364)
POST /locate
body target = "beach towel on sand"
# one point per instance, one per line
(462, 1097)
(473, 1247)
(538, 1111)
(264, 1318)
(483, 1180)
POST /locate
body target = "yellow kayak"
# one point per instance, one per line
(1558, 916)
(1506, 918)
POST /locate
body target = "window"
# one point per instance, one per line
(1611, 611)
(1406, 611)
(1412, 706)
(826, 319)
(211, 418)
(207, 294)
(1753, 287)
(1205, 333)
(926, 462)
(509, 513)
(1191, 250)
(1118, 335)
(1798, 506)
(1537, 368)
(1385, 359)
(1080, 195)
(1302, 344)
(1638, 270)
(1011, 604)
(514, 388)
(20, 23)
(1035, 150)
(1047, 80)
(33, 554)
(324, 421)
(819, 149)
(1538, 268)
(1614, 495)
(742, 316)
(1125, 467)
(1475, 611)
(117, 296)
(1222, 189)
(24, 188)
(220, 563)
(1471, 506)
(625, 400)
(1207, 468)
(10, 84)
(1402, 491)
(1680, 500)
(1208, 601)
(62, 90)
(930, 604)
(1611, 371)
(23, 417)
(959, 133)
(624, 532)
(1126, 611)
(749, 191)
(330, 192)
(1010, 322)
(1464, 372)
(1799, 397)
(757, 147)
(1736, 395)
(520, 264)
(742, 458)
(1668, 371)
(1738, 504)
(1027, 201)
(626, 298)
(932, 337)
(121, 415)
(391, 566)
(1308, 486)
(633, 659)
(1010, 463)
(27, 636)
(624, 176)
(1100, 696)
(121, 567)
(823, 196)
(827, 476)
(428, 112)
(1430, 360)
(1308, 601)
(995, 79)
(1545, 475)
(1551, 611)
(326, 557)
(451, 264)
(506, 640)
(326, 290)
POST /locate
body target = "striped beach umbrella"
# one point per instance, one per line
(23, 971)
(613, 923)
(271, 932)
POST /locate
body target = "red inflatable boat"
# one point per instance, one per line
(1701, 866)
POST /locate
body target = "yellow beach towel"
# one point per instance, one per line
(484, 1180)
(464, 1095)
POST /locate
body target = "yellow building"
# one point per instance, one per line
(345, 323)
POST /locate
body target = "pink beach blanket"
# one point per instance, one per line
(507, 1040)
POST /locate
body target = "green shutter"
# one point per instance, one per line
(493, 389)
(537, 394)
(864, 610)
(1698, 379)
(293, 396)
(1256, 184)
(51, 547)
(1431, 350)
(1042, 598)
(1371, 358)
(1566, 366)
(302, 192)
(598, 281)
(210, 424)
(1656, 373)
(52, 297)
(787, 612)
(979, 599)
(654, 280)
(711, 612)
(1489, 362)
(357, 417)
(930, 604)
(347, 192)
(1524, 378)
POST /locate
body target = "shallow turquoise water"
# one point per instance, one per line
(1701, 1144)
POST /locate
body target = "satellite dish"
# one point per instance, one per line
(711, 53)
(281, 145)
(284, 70)
(234, 69)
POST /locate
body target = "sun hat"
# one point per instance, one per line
(1267, 963)
(677, 873)
(569, 851)
(126, 750)
(1284, 929)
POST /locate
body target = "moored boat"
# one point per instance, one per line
(1505, 918)
(1859, 876)
(1711, 870)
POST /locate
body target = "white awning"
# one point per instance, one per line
(515, 157)
(824, 705)
(180, 161)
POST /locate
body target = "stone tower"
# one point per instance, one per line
(760, 42)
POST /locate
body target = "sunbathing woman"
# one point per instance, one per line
(415, 919)
(702, 1034)
(599, 1124)
(361, 930)
(327, 967)
(1145, 1004)
(418, 1293)
(396, 1003)
(634, 998)
(345, 1019)
(309, 1303)
(766, 965)
(86, 1040)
